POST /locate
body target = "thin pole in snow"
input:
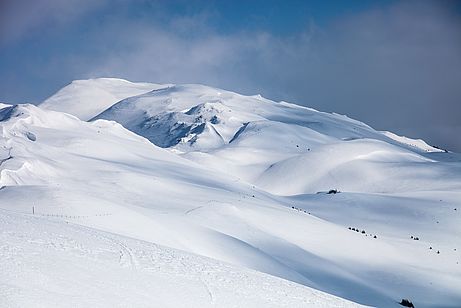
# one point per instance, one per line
(33, 210)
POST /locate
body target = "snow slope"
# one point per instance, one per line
(235, 178)
(130, 273)
(417, 143)
(96, 95)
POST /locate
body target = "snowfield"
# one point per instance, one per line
(191, 196)
(50, 263)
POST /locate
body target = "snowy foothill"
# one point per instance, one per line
(136, 194)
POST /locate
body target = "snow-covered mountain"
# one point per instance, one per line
(190, 173)
(280, 147)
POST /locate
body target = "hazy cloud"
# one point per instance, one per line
(19, 18)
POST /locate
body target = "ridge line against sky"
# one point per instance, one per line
(395, 65)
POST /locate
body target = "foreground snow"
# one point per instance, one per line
(238, 179)
(51, 263)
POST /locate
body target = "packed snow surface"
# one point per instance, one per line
(186, 195)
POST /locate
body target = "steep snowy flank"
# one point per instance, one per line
(189, 116)
(416, 143)
(85, 98)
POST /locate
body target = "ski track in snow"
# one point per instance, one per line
(202, 282)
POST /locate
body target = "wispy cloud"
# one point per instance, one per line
(19, 18)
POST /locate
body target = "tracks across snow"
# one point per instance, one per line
(127, 257)
(39, 255)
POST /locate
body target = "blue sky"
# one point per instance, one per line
(395, 65)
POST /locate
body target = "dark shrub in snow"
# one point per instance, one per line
(406, 303)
